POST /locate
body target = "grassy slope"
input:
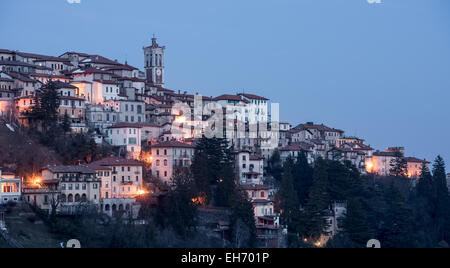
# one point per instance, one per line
(22, 155)
(29, 233)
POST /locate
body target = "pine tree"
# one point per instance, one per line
(275, 167)
(399, 166)
(397, 230)
(210, 158)
(226, 187)
(46, 106)
(65, 125)
(242, 220)
(355, 223)
(180, 211)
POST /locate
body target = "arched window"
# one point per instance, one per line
(83, 198)
(77, 198)
(62, 198)
(107, 207)
(114, 207)
(120, 207)
(70, 198)
(165, 163)
(127, 207)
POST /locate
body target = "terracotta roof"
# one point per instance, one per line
(70, 169)
(89, 70)
(6, 51)
(97, 59)
(254, 187)
(77, 53)
(230, 97)
(387, 154)
(115, 161)
(17, 63)
(174, 144)
(21, 77)
(60, 85)
(121, 67)
(253, 97)
(416, 160)
(321, 127)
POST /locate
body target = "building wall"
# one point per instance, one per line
(126, 181)
(165, 160)
(129, 137)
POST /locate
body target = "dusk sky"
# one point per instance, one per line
(379, 71)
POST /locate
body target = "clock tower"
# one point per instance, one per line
(154, 63)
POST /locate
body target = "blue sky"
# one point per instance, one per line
(379, 71)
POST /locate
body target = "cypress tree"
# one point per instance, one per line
(442, 215)
(313, 221)
(303, 178)
(287, 198)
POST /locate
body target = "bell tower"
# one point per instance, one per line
(154, 63)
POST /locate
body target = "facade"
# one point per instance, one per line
(415, 166)
(129, 111)
(169, 156)
(258, 111)
(121, 178)
(78, 187)
(10, 187)
(122, 181)
(100, 117)
(250, 168)
(126, 135)
(380, 163)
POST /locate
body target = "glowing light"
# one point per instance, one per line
(198, 200)
(369, 166)
(318, 244)
(142, 192)
(36, 182)
(180, 120)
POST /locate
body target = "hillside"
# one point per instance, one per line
(21, 154)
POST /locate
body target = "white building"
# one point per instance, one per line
(75, 187)
(126, 135)
(130, 111)
(10, 187)
(250, 168)
(258, 111)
